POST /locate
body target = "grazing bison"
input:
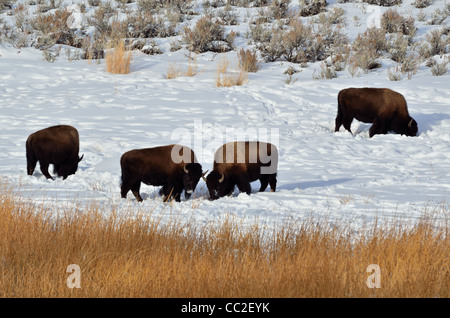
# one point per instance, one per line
(57, 145)
(160, 166)
(384, 108)
(239, 163)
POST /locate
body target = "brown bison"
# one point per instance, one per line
(57, 145)
(239, 163)
(174, 167)
(384, 108)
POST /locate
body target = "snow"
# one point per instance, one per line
(339, 177)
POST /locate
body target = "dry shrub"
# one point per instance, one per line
(393, 22)
(118, 59)
(248, 61)
(384, 3)
(134, 254)
(420, 4)
(52, 29)
(311, 7)
(437, 42)
(206, 35)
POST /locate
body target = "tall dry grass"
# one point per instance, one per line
(118, 59)
(227, 78)
(139, 257)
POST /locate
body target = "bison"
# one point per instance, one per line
(239, 163)
(160, 166)
(384, 108)
(57, 145)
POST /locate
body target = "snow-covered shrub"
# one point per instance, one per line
(151, 6)
(398, 48)
(384, 3)
(394, 75)
(439, 69)
(437, 42)
(393, 22)
(311, 7)
(420, 4)
(6, 4)
(146, 25)
(326, 72)
(279, 9)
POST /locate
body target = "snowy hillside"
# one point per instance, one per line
(322, 174)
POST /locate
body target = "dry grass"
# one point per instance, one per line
(139, 257)
(175, 71)
(227, 78)
(118, 59)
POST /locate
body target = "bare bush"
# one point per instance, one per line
(420, 4)
(439, 69)
(311, 7)
(384, 3)
(326, 72)
(372, 39)
(437, 42)
(206, 35)
(393, 22)
(146, 25)
(398, 48)
(394, 75)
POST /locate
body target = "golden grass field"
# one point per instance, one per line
(139, 257)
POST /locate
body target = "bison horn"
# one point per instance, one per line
(410, 123)
(185, 170)
(221, 179)
(203, 175)
(80, 158)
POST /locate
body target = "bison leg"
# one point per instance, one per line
(169, 192)
(378, 127)
(273, 182)
(135, 190)
(44, 169)
(264, 179)
(338, 123)
(244, 184)
(348, 123)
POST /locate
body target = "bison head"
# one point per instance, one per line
(68, 168)
(406, 126)
(216, 184)
(191, 176)
(412, 128)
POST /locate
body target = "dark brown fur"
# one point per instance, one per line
(384, 108)
(242, 163)
(57, 145)
(154, 166)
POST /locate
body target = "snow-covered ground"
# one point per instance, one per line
(322, 174)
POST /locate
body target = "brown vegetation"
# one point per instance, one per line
(138, 256)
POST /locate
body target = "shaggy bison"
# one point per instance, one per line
(384, 108)
(57, 145)
(239, 163)
(174, 167)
